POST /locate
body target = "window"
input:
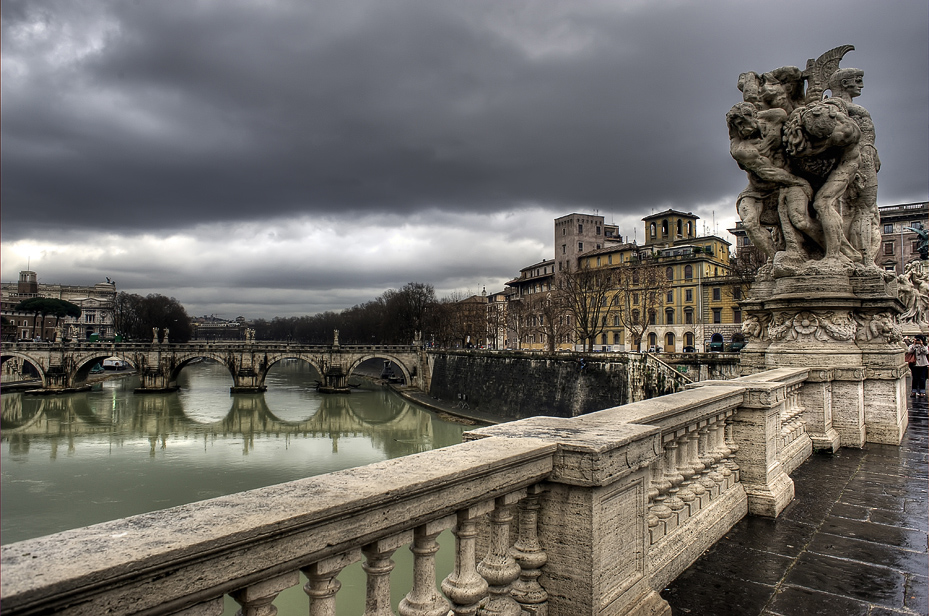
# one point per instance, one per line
(689, 295)
(652, 317)
(689, 229)
(635, 277)
(615, 337)
(598, 230)
(736, 292)
(689, 317)
(580, 246)
(888, 228)
(669, 341)
(669, 316)
(564, 248)
(90, 318)
(564, 231)
(615, 320)
(670, 297)
(664, 227)
(635, 316)
(653, 230)
(888, 248)
(669, 273)
(25, 323)
(635, 298)
(688, 339)
(680, 227)
(717, 294)
(717, 315)
(688, 272)
(580, 228)
(598, 261)
(736, 315)
(609, 259)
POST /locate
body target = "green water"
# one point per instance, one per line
(75, 460)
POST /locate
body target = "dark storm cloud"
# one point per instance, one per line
(168, 117)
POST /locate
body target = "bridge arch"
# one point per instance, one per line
(407, 373)
(8, 354)
(271, 360)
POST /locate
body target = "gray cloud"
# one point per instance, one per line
(167, 119)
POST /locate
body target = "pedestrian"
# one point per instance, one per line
(920, 365)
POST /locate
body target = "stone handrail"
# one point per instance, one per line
(612, 505)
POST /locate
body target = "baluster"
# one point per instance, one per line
(424, 599)
(529, 554)
(378, 566)
(322, 585)
(256, 600)
(463, 586)
(499, 567)
(685, 471)
(733, 448)
(673, 476)
(706, 459)
(696, 466)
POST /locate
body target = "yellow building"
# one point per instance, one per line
(698, 304)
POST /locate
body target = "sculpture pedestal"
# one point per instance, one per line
(843, 329)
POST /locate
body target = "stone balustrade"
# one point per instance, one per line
(558, 516)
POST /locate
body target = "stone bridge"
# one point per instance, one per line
(64, 367)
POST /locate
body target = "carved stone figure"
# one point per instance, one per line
(811, 202)
(865, 219)
(774, 195)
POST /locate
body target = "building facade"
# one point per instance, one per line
(899, 243)
(97, 304)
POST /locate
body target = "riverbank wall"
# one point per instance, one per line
(514, 385)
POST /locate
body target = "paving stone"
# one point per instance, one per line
(795, 601)
(783, 537)
(873, 500)
(703, 594)
(741, 563)
(848, 578)
(917, 594)
(867, 552)
(852, 512)
(877, 533)
(903, 519)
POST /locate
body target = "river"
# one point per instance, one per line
(74, 460)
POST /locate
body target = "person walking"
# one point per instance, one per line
(920, 366)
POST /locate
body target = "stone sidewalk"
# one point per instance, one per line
(853, 542)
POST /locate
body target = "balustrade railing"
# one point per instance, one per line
(586, 515)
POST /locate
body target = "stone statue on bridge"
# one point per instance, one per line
(811, 202)
(820, 301)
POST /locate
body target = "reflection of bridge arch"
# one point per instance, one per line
(271, 359)
(55, 416)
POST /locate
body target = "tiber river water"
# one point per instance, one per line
(75, 460)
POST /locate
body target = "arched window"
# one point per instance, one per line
(688, 339)
(690, 227)
(652, 340)
(653, 229)
(664, 227)
(688, 272)
(669, 316)
(669, 342)
(615, 337)
(680, 227)
(669, 273)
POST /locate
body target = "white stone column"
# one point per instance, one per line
(256, 600)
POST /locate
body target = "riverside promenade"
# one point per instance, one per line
(853, 541)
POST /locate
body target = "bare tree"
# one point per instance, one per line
(641, 287)
(552, 316)
(588, 295)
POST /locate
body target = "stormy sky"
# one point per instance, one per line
(273, 157)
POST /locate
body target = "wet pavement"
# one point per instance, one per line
(853, 542)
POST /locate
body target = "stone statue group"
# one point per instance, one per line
(811, 200)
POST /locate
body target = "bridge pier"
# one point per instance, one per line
(247, 382)
(335, 381)
(155, 382)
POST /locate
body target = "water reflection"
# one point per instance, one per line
(72, 460)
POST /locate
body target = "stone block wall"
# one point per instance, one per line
(518, 385)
